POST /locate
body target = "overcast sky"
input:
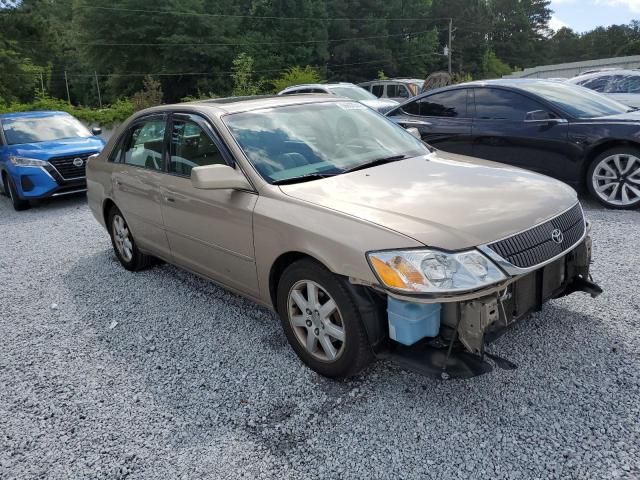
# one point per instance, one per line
(582, 15)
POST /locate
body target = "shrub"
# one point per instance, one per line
(295, 76)
(149, 96)
(107, 116)
(243, 82)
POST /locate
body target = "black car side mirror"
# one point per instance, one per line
(96, 130)
(542, 117)
(537, 116)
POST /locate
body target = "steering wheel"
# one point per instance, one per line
(359, 142)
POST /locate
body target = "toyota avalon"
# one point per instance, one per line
(360, 236)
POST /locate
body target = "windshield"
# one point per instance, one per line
(42, 129)
(577, 101)
(318, 139)
(354, 93)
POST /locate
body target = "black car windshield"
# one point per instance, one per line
(320, 139)
(579, 102)
(354, 93)
(36, 129)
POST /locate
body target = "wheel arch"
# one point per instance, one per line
(106, 206)
(602, 147)
(280, 265)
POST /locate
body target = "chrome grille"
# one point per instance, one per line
(66, 168)
(536, 246)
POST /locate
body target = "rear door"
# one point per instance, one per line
(503, 132)
(209, 231)
(136, 177)
(443, 119)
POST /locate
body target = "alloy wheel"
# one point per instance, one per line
(122, 238)
(616, 179)
(316, 320)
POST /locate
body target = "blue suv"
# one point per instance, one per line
(44, 154)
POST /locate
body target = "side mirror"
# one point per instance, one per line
(218, 177)
(537, 116)
(415, 132)
(96, 130)
(542, 117)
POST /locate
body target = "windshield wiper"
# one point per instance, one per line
(302, 178)
(374, 163)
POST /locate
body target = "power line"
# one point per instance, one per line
(213, 74)
(242, 16)
(257, 17)
(248, 44)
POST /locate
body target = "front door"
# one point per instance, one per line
(209, 231)
(442, 119)
(502, 132)
(136, 176)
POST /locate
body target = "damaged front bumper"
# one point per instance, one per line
(469, 323)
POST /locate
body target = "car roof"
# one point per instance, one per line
(321, 85)
(245, 104)
(607, 73)
(34, 114)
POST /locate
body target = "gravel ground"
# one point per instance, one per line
(159, 374)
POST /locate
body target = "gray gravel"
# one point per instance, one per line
(159, 374)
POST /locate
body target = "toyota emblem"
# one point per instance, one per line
(78, 162)
(557, 236)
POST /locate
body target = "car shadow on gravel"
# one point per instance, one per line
(209, 358)
(43, 207)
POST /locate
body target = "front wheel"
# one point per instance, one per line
(12, 191)
(613, 178)
(123, 243)
(321, 320)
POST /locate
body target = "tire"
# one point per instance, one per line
(11, 190)
(353, 353)
(129, 256)
(620, 165)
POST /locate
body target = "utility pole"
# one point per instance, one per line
(66, 82)
(98, 87)
(450, 40)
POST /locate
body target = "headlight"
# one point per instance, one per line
(26, 162)
(433, 271)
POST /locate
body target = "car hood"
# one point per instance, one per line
(58, 148)
(381, 105)
(631, 99)
(628, 117)
(442, 200)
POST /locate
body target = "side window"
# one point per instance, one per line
(445, 104)
(397, 91)
(599, 84)
(116, 154)
(624, 84)
(191, 147)
(144, 145)
(377, 90)
(496, 104)
(412, 108)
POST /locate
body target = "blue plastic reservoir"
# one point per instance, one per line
(410, 322)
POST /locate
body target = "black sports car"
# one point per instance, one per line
(565, 131)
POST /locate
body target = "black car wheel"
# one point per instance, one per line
(321, 320)
(11, 191)
(123, 243)
(613, 178)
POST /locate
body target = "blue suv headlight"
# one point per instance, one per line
(26, 162)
